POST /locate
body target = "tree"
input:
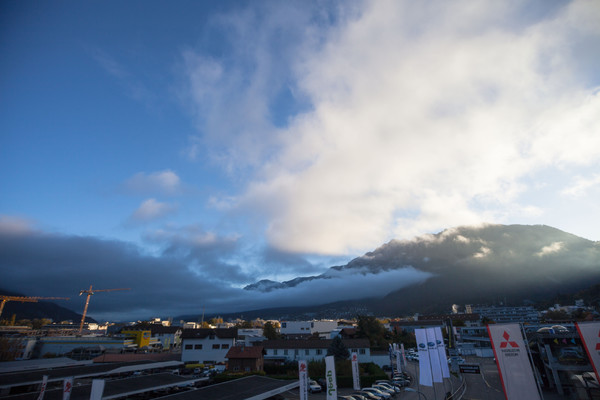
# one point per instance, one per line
(338, 349)
(269, 331)
(369, 327)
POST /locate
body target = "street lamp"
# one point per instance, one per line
(416, 391)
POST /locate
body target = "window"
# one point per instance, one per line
(285, 352)
(306, 352)
(215, 346)
(354, 351)
(224, 346)
(362, 351)
(283, 324)
(198, 347)
(274, 352)
(319, 351)
(296, 352)
(189, 346)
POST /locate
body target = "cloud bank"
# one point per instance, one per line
(410, 117)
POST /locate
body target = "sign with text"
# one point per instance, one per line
(355, 372)
(589, 332)
(512, 358)
(330, 378)
(469, 369)
(303, 378)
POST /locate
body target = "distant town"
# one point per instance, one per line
(165, 357)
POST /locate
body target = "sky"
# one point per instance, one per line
(188, 149)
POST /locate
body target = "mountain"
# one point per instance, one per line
(481, 264)
(41, 309)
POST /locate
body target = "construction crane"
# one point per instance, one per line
(4, 299)
(90, 292)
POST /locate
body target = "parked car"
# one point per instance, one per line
(384, 389)
(378, 392)
(388, 385)
(370, 396)
(358, 396)
(313, 386)
(458, 360)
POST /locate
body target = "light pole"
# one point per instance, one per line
(416, 391)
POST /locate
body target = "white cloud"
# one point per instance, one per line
(483, 252)
(581, 185)
(162, 182)
(550, 249)
(422, 117)
(151, 210)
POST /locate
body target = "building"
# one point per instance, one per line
(207, 346)
(282, 350)
(246, 359)
(299, 329)
(61, 345)
(501, 315)
(168, 336)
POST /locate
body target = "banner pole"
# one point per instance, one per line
(535, 371)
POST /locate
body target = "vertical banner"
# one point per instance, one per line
(403, 353)
(516, 373)
(425, 377)
(439, 339)
(355, 372)
(67, 388)
(303, 378)
(589, 332)
(398, 362)
(97, 389)
(330, 378)
(434, 356)
(43, 387)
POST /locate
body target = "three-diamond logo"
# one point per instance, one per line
(506, 337)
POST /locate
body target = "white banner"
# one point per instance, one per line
(439, 339)
(434, 356)
(511, 355)
(425, 377)
(43, 387)
(589, 332)
(330, 378)
(403, 353)
(67, 388)
(355, 372)
(303, 378)
(97, 389)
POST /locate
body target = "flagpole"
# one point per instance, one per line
(535, 371)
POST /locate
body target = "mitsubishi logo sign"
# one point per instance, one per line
(507, 342)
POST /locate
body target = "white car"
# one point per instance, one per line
(377, 392)
(313, 386)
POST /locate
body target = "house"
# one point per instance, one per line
(282, 350)
(207, 346)
(244, 358)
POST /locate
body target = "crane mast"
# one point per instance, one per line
(89, 293)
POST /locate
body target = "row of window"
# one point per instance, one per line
(317, 352)
(199, 346)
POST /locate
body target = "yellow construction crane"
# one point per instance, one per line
(90, 292)
(4, 299)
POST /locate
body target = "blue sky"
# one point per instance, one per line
(236, 141)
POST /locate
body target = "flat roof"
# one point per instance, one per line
(249, 388)
(116, 387)
(8, 380)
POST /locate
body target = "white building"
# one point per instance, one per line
(282, 350)
(307, 328)
(207, 346)
(502, 315)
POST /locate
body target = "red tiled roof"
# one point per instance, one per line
(245, 352)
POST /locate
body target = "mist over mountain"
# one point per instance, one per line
(482, 264)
